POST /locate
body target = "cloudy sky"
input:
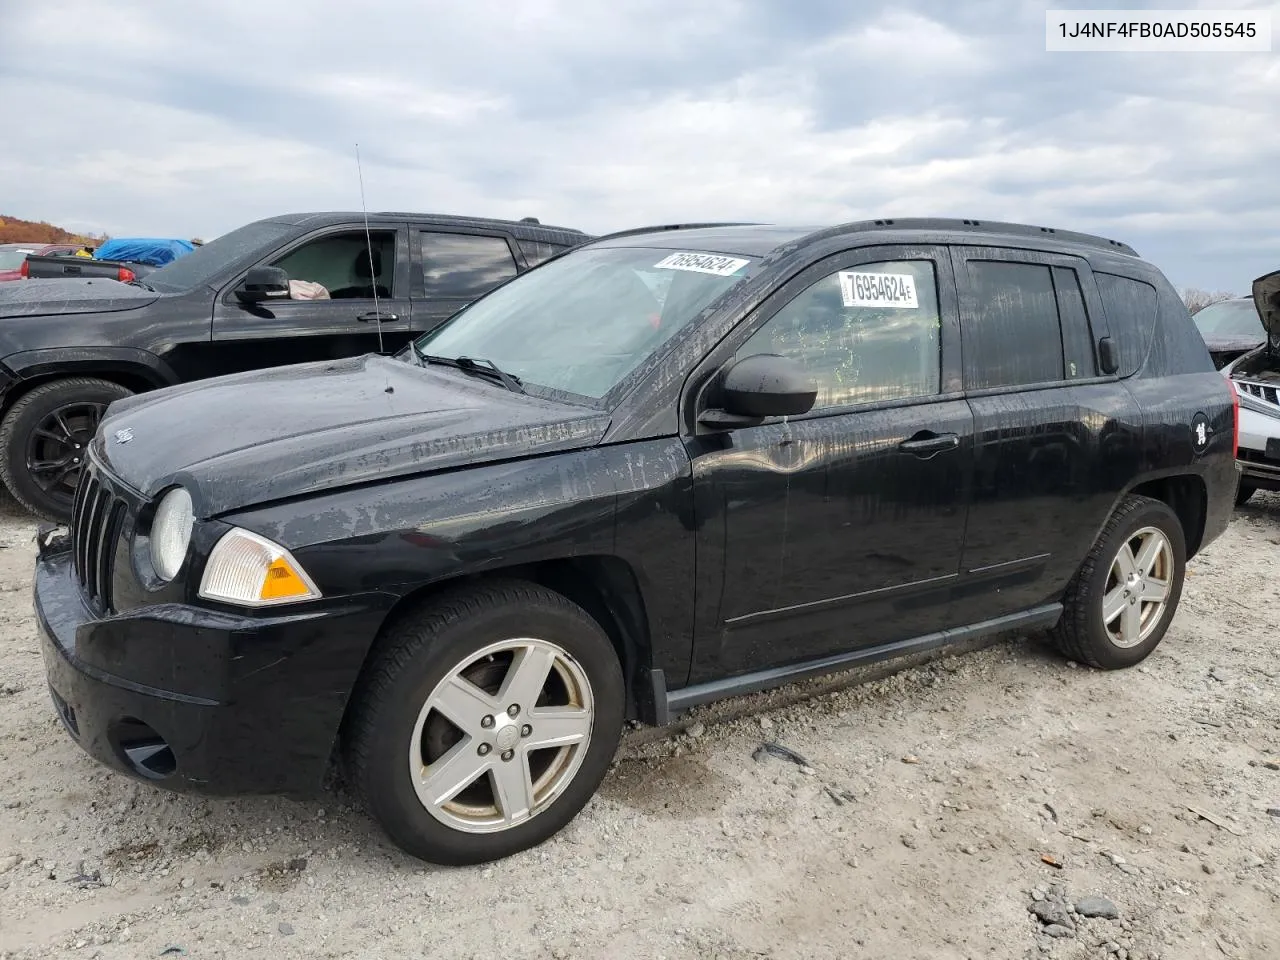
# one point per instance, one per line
(189, 119)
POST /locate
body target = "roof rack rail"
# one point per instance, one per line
(977, 226)
(672, 226)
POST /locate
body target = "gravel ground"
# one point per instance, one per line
(962, 808)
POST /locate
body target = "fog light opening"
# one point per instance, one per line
(146, 752)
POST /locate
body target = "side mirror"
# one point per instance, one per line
(760, 386)
(263, 283)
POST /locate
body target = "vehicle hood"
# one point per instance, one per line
(1232, 344)
(250, 438)
(66, 295)
(1266, 297)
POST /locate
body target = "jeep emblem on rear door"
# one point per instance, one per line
(124, 436)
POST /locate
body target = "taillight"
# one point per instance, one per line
(1235, 419)
(125, 275)
(25, 271)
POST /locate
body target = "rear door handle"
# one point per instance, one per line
(377, 317)
(926, 443)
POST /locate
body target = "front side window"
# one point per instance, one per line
(1012, 335)
(459, 266)
(341, 263)
(866, 334)
(580, 324)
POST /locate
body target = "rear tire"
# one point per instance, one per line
(43, 440)
(1120, 603)
(1244, 492)
(454, 743)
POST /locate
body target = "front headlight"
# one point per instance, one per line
(251, 571)
(171, 533)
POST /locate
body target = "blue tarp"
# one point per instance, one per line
(144, 250)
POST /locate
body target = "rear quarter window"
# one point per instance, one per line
(1131, 315)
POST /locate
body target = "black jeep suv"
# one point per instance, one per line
(69, 347)
(665, 467)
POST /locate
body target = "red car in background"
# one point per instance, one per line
(12, 255)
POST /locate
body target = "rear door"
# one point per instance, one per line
(451, 268)
(841, 528)
(1054, 440)
(367, 308)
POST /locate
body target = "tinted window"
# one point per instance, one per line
(1011, 336)
(460, 266)
(1131, 316)
(864, 334)
(1077, 335)
(340, 263)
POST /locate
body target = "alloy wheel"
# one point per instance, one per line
(56, 448)
(1138, 587)
(501, 736)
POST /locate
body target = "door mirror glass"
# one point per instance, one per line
(263, 283)
(766, 385)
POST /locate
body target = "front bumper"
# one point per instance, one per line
(1259, 454)
(193, 699)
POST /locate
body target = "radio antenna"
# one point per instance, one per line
(368, 240)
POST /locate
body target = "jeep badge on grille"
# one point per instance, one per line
(124, 436)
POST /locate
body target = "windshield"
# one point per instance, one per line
(581, 323)
(11, 258)
(1231, 318)
(203, 264)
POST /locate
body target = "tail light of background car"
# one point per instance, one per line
(25, 270)
(126, 275)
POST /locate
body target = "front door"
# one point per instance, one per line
(363, 308)
(842, 528)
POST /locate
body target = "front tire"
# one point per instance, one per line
(43, 440)
(1119, 605)
(484, 722)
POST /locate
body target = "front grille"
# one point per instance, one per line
(95, 523)
(1263, 391)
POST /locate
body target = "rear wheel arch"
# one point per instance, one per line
(1187, 496)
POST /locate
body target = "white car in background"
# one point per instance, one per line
(1256, 376)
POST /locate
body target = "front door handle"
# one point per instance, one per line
(926, 443)
(377, 317)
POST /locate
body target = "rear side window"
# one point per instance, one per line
(1011, 335)
(1077, 333)
(1131, 316)
(463, 266)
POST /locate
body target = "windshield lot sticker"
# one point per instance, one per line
(878, 290)
(703, 263)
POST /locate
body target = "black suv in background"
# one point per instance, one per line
(68, 347)
(665, 467)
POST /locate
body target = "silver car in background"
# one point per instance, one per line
(1256, 376)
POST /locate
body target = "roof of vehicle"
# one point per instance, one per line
(761, 239)
(528, 228)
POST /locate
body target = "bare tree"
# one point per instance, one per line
(1197, 299)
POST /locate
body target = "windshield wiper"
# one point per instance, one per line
(477, 367)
